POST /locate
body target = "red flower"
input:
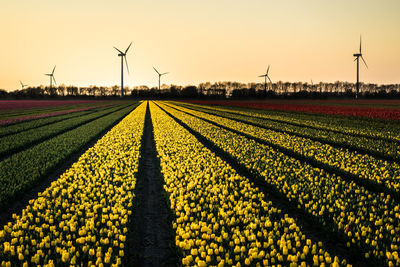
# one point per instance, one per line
(316, 107)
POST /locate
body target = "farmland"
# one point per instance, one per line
(13, 111)
(200, 183)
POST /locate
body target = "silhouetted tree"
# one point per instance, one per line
(3, 93)
(189, 92)
(115, 90)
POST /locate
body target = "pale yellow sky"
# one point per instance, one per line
(197, 41)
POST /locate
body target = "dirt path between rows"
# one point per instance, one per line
(151, 241)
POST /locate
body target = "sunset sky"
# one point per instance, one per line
(197, 41)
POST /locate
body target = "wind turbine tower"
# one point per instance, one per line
(52, 78)
(22, 85)
(159, 77)
(358, 56)
(123, 56)
(265, 82)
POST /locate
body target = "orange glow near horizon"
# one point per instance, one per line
(197, 41)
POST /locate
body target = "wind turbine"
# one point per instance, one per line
(159, 77)
(358, 56)
(265, 83)
(52, 77)
(123, 55)
(22, 85)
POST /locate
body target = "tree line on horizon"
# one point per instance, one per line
(217, 90)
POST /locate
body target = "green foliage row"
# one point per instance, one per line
(36, 123)
(9, 114)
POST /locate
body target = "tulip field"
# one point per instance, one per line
(239, 185)
(13, 111)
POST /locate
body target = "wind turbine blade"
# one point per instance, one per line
(156, 71)
(269, 79)
(53, 70)
(267, 70)
(21, 83)
(355, 59)
(128, 48)
(165, 73)
(364, 62)
(118, 50)
(360, 44)
(54, 79)
(262, 75)
(126, 62)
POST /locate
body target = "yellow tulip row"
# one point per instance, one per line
(309, 120)
(362, 165)
(82, 217)
(221, 218)
(370, 221)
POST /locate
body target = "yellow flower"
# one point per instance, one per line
(201, 263)
(20, 256)
(65, 256)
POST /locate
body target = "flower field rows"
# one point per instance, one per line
(372, 129)
(20, 127)
(81, 217)
(24, 169)
(24, 117)
(14, 105)
(361, 165)
(378, 113)
(241, 187)
(221, 217)
(369, 220)
(372, 144)
(16, 111)
(12, 143)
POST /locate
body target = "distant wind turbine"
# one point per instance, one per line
(265, 82)
(159, 77)
(358, 56)
(123, 56)
(22, 85)
(52, 77)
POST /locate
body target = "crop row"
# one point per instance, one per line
(343, 111)
(378, 147)
(369, 221)
(348, 125)
(24, 169)
(31, 124)
(221, 218)
(360, 165)
(81, 219)
(9, 113)
(19, 141)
